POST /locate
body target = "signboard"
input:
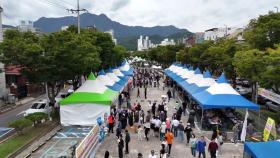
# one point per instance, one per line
(269, 95)
(269, 129)
(88, 143)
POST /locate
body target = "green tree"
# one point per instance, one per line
(270, 78)
(20, 125)
(264, 32)
(196, 51)
(250, 65)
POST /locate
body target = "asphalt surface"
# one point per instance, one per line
(12, 115)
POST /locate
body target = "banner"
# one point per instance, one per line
(269, 95)
(269, 129)
(244, 128)
(88, 143)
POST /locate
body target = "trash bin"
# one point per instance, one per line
(11, 98)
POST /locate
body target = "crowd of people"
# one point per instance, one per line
(155, 121)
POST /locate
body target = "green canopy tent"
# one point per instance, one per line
(87, 103)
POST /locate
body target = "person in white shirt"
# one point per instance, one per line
(152, 155)
(162, 130)
(175, 124)
(157, 126)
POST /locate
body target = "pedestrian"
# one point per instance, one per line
(181, 132)
(139, 155)
(157, 126)
(184, 105)
(164, 142)
(107, 154)
(127, 140)
(152, 154)
(145, 92)
(235, 133)
(147, 130)
(201, 144)
(162, 153)
(212, 148)
(220, 142)
(175, 124)
(162, 131)
(193, 143)
(168, 124)
(173, 92)
(120, 146)
(111, 123)
(140, 133)
(138, 92)
(169, 94)
(188, 131)
(169, 139)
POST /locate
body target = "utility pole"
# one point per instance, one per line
(78, 10)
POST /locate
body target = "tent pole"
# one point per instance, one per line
(259, 119)
(201, 118)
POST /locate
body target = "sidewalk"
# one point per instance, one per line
(37, 144)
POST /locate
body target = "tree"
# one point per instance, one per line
(36, 117)
(250, 65)
(264, 32)
(270, 78)
(20, 125)
(196, 51)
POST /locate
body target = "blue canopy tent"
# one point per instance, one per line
(203, 84)
(269, 149)
(222, 95)
(121, 82)
(185, 84)
(126, 69)
(108, 82)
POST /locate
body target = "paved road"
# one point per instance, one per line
(10, 116)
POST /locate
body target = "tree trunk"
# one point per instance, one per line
(254, 92)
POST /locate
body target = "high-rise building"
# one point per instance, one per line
(27, 25)
(144, 43)
(111, 32)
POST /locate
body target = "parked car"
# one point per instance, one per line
(40, 106)
(241, 90)
(272, 106)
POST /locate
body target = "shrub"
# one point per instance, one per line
(36, 117)
(20, 125)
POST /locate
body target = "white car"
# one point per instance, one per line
(40, 106)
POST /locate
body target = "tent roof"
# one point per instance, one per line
(91, 76)
(223, 96)
(263, 149)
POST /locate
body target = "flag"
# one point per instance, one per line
(244, 128)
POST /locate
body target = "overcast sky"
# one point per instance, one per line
(194, 15)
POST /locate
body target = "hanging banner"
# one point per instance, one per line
(269, 95)
(269, 129)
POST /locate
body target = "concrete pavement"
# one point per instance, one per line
(179, 150)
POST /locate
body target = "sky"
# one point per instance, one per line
(194, 15)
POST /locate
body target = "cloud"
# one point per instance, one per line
(195, 15)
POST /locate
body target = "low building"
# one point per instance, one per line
(27, 25)
(190, 41)
(216, 33)
(166, 42)
(199, 37)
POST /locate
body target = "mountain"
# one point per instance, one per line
(122, 32)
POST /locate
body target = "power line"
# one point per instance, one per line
(68, 3)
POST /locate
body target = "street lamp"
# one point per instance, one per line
(276, 9)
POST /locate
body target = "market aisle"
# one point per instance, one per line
(179, 150)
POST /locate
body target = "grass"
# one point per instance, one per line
(16, 142)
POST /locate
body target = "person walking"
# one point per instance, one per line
(181, 132)
(145, 92)
(162, 131)
(212, 148)
(220, 142)
(120, 146)
(169, 94)
(140, 133)
(152, 154)
(107, 154)
(193, 143)
(201, 144)
(162, 153)
(111, 123)
(235, 133)
(138, 92)
(188, 131)
(169, 139)
(175, 124)
(127, 140)
(147, 127)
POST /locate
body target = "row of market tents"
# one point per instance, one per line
(95, 96)
(208, 92)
